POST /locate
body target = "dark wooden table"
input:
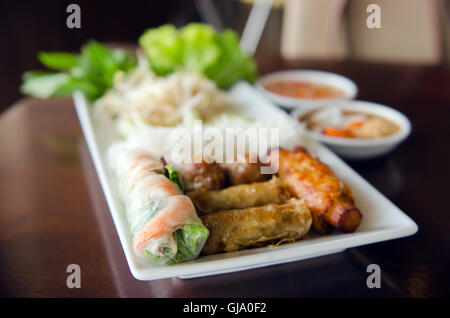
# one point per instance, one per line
(53, 212)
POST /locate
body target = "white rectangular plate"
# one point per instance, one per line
(382, 219)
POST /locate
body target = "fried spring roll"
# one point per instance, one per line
(239, 197)
(330, 201)
(233, 230)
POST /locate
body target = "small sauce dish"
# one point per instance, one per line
(388, 127)
(306, 89)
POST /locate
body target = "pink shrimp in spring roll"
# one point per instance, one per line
(164, 223)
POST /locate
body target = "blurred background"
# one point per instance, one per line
(412, 31)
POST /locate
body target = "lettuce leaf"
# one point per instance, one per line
(198, 47)
(190, 239)
(163, 48)
(233, 65)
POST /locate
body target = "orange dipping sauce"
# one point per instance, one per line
(303, 89)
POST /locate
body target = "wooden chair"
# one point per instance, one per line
(411, 30)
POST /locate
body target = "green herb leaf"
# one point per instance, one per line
(98, 64)
(59, 61)
(174, 176)
(91, 72)
(78, 84)
(43, 85)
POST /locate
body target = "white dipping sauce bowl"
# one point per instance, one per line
(358, 148)
(317, 77)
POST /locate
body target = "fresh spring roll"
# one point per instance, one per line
(163, 221)
(240, 196)
(233, 230)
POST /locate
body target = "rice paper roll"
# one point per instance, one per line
(163, 221)
(234, 230)
(240, 196)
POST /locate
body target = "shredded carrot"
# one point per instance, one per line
(337, 132)
(355, 124)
